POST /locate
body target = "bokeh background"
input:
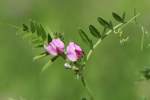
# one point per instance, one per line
(112, 71)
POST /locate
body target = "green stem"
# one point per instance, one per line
(121, 25)
(142, 38)
(87, 88)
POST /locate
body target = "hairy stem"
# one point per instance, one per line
(87, 88)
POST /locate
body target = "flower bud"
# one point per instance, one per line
(55, 47)
(74, 52)
(67, 66)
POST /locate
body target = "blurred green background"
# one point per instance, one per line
(111, 72)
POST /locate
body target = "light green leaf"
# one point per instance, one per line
(40, 56)
(38, 46)
(36, 41)
(43, 32)
(49, 63)
(32, 27)
(27, 35)
(46, 65)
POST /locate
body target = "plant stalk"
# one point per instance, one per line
(121, 25)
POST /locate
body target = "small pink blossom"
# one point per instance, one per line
(55, 47)
(74, 52)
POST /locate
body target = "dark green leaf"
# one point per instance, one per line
(38, 29)
(83, 35)
(103, 22)
(146, 73)
(83, 98)
(94, 31)
(54, 58)
(49, 38)
(41, 32)
(117, 17)
(32, 27)
(59, 35)
(25, 28)
(110, 25)
(85, 38)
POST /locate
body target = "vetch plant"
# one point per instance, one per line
(74, 56)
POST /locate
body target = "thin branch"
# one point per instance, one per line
(121, 25)
(86, 87)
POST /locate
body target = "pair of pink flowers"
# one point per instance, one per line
(73, 51)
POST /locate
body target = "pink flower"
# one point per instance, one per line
(55, 47)
(74, 52)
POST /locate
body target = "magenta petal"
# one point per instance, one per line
(55, 47)
(59, 45)
(72, 57)
(51, 50)
(78, 48)
(71, 47)
(74, 52)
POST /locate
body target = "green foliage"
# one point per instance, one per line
(105, 23)
(94, 31)
(85, 38)
(146, 73)
(41, 32)
(83, 98)
(104, 33)
(46, 65)
(119, 18)
(41, 37)
(49, 38)
(32, 26)
(58, 35)
(25, 27)
(124, 16)
(40, 56)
